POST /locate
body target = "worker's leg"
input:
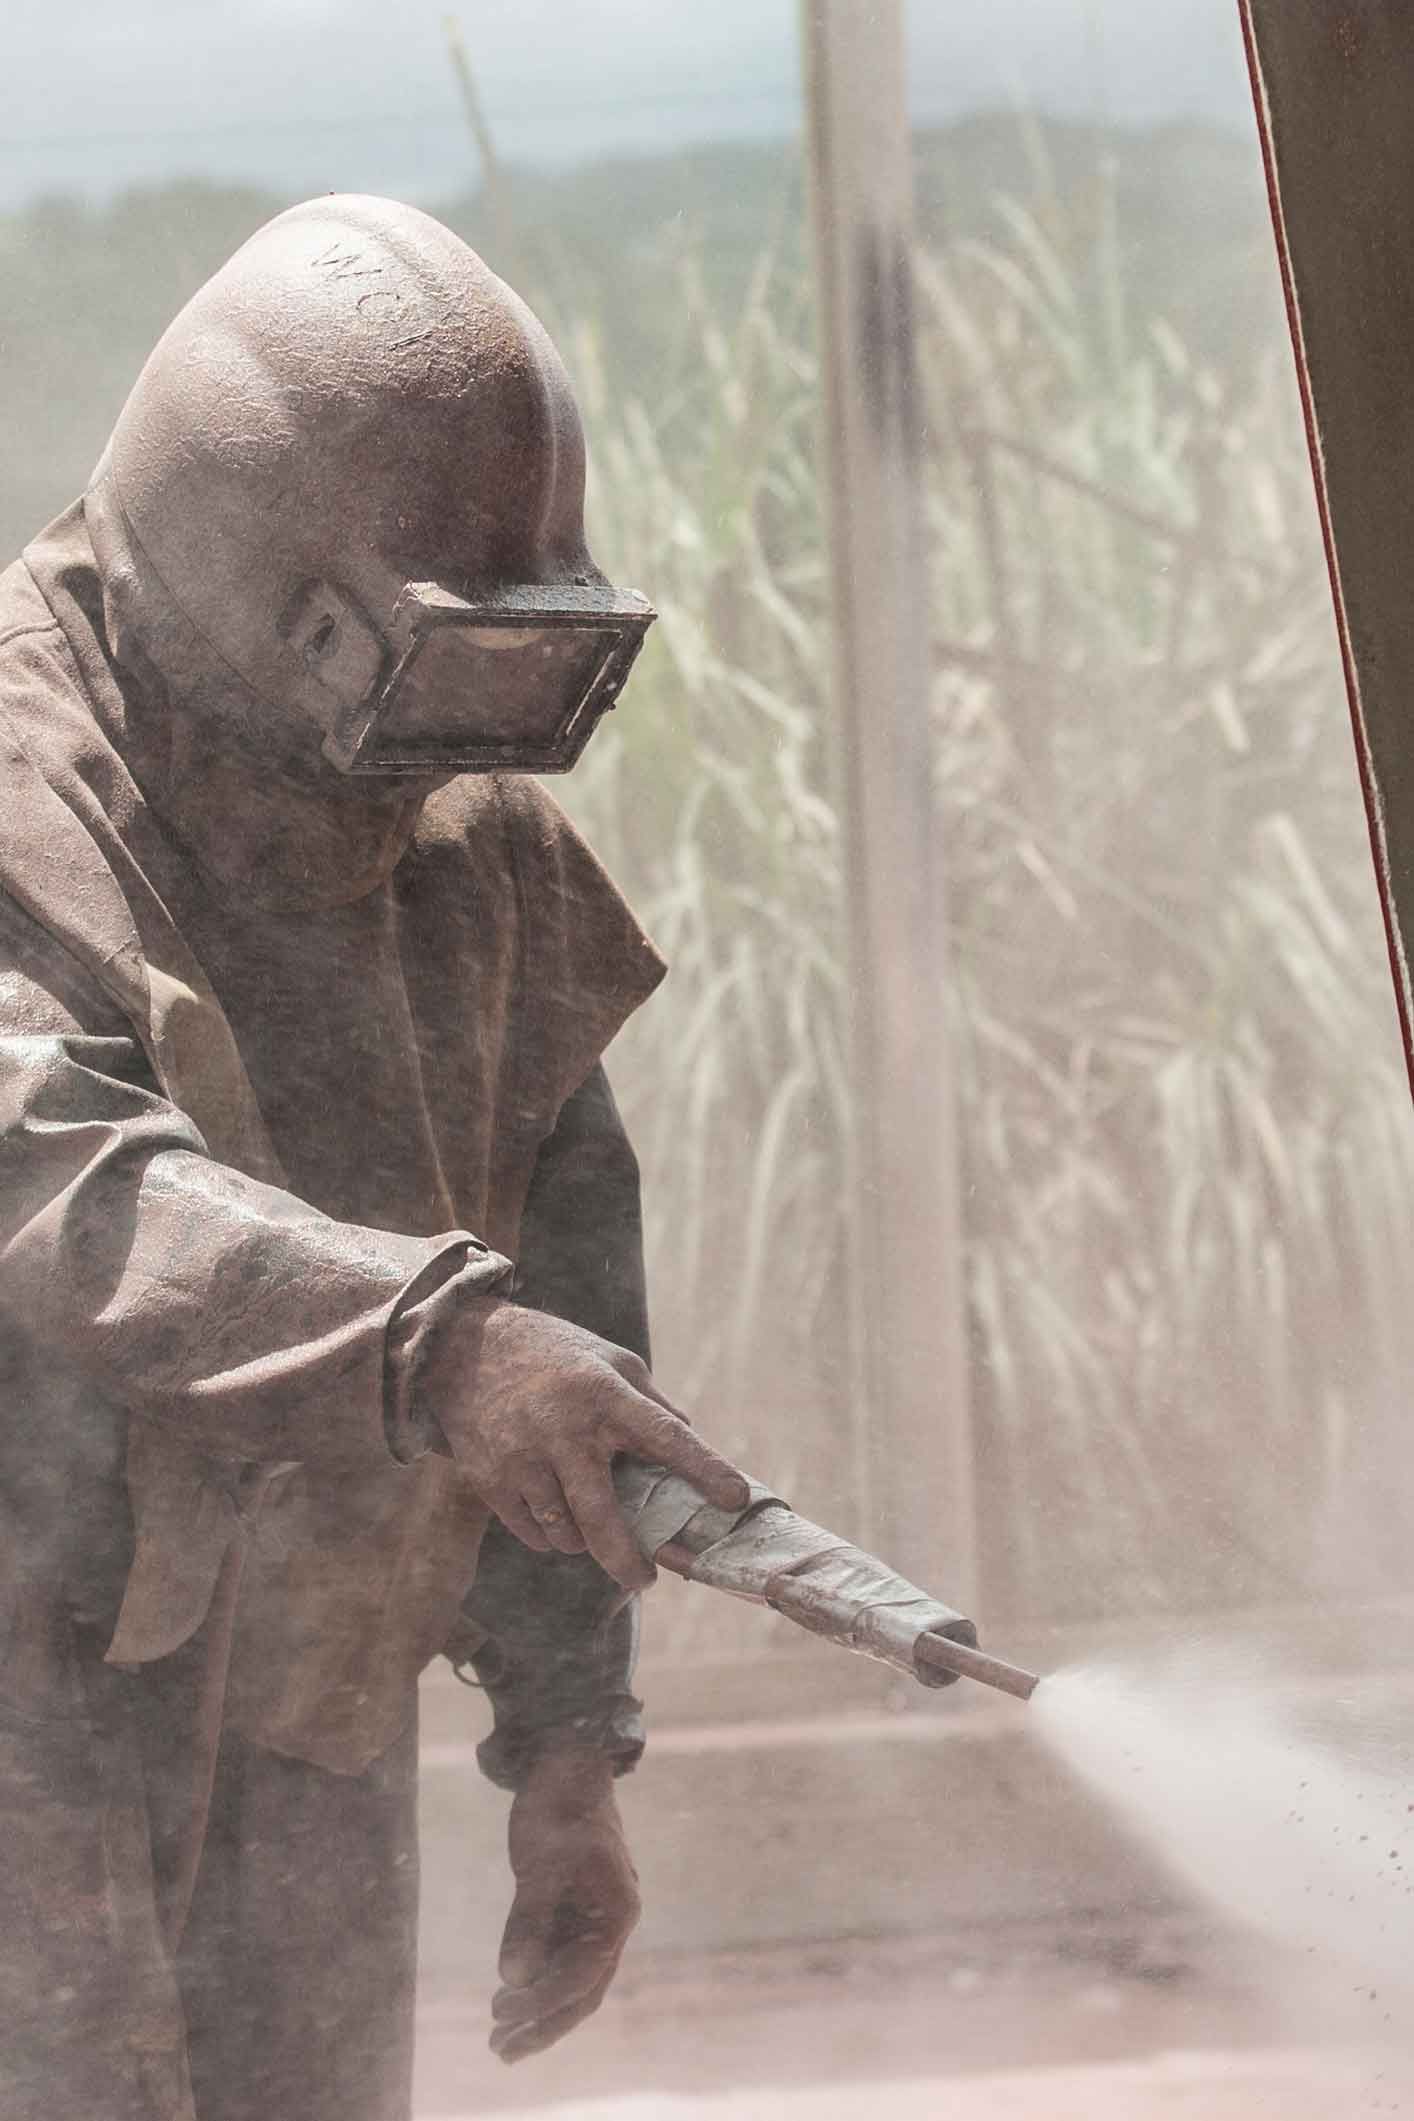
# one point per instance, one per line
(90, 2021)
(299, 1958)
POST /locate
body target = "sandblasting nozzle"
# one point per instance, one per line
(768, 1554)
(965, 1661)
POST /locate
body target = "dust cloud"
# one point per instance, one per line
(1310, 1849)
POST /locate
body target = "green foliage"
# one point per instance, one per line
(1186, 1126)
(1186, 1114)
(710, 803)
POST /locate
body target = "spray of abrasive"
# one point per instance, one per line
(1271, 1829)
(1280, 1833)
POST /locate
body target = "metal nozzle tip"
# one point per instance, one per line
(945, 1655)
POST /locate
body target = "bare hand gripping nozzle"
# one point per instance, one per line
(766, 1554)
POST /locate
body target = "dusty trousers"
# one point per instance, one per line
(235, 1136)
(298, 1963)
(290, 1997)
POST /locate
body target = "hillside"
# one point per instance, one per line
(86, 291)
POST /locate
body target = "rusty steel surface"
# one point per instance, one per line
(1334, 88)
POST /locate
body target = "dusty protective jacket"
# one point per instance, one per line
(249, 1157)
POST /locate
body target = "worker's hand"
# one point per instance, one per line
(535, 1409)
(576, 1902)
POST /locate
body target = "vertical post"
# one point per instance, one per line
(915, 1457)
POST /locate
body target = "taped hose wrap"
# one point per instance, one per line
(767, 1554)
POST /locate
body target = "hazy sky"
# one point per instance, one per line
(307, 95)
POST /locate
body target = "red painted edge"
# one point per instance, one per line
(1368, 783)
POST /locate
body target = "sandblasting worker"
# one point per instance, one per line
(321, 1302)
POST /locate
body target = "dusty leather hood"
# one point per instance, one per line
(247, 793)
(504, 891)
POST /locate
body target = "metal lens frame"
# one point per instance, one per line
(366, 739)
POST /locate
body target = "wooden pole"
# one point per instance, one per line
(914, 1459)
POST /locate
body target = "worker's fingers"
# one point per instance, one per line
(517, 1519)
(528, 1938)
(590, 1495)
(572, 1970)
(512, 2043)
(517, 2043)
(545, 1499)
(664, 1439)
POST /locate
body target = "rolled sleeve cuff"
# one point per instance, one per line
(573, 1694)
(465, 1267)
(614, 1728)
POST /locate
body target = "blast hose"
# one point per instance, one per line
(772, 1557)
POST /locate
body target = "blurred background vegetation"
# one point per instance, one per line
(1186, 1127)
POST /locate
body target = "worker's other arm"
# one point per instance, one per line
(256, 1327)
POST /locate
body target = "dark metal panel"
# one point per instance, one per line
(1334, 84)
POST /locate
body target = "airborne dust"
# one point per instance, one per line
(1310, 1848)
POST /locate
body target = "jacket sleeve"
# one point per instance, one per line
(551, 1637)
(227, 1310)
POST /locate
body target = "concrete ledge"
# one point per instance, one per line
(875, 2020)
(872, 1887)
(861, 1806)
(801, 1830)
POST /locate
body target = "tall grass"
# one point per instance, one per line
(1189, 1160)
(1186, 1133)
(1189, 1134)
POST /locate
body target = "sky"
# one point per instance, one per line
(309, 95)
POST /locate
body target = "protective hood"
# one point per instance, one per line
(239, 787)
(340, 527)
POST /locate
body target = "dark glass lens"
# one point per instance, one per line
(475, 686)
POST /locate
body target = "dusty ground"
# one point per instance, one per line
(993, 1997)
(1217, 2087)
(1198, 2088)
(1156, 2022)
